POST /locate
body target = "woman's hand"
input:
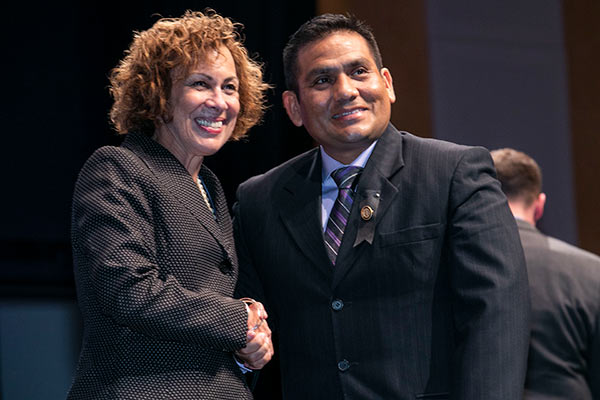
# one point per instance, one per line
(256, 313)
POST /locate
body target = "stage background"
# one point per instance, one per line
(490, 73)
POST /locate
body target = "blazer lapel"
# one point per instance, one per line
(222, 225)
(374, 194)
(173, 176)
(300, 211)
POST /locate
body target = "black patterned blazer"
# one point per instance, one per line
(428, 298)
(155, 272)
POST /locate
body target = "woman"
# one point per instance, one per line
(155, 263)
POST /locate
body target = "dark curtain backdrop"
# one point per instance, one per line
(56, 59)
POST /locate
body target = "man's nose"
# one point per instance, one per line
(345, 89)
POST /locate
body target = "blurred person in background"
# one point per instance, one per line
(564, 353)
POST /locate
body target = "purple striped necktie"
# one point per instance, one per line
(344, 177)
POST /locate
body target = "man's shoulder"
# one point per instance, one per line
(538, 246)
(558, 246)
(431, 145)
(274, 177)
(440, 155)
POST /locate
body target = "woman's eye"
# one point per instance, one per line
(199, 84)
(230, 87)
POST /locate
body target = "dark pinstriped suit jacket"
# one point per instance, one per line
(564, 355)
(428, 299)
(155, 274)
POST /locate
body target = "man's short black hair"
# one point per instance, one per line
(317, 28)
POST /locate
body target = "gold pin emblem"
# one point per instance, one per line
(366, 213)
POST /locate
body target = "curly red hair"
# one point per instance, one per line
(141, 83)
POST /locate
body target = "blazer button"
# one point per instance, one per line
(344, 365)
(337, 304)
(225, 266)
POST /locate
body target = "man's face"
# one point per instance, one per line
(343, 100)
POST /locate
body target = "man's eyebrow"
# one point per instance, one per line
(320, 71)
(358, 62)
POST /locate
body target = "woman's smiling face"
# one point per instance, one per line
(204, 104)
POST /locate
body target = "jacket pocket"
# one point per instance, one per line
(411, 235)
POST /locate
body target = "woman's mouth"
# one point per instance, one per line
(209, 124)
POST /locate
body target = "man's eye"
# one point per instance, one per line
(360, 71)
(321, 80)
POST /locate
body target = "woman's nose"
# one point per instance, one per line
(217, 100)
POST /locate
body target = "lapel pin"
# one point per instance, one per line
(366, 213)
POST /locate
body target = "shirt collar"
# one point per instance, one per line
(330, 164)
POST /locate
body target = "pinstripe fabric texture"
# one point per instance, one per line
(338, 218)
(428, 298)
(155, 273)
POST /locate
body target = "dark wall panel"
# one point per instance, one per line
(498, 78)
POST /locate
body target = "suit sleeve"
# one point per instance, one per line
(489, 283)
(248, 284)
(114, 240)
(594, 362)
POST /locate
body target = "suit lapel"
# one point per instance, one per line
(300, 211)
(173, 176)
(376, 191)
(222, 225)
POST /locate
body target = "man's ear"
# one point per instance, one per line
(292, 107)
(540, 202)
(389, 84)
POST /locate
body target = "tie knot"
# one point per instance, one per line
(345, 176)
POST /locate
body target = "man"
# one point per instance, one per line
(564, 355)
(425, 294)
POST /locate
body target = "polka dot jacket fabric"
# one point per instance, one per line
(155, 272)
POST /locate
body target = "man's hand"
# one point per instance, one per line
(259, 348)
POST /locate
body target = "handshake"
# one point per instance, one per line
(259, 347)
